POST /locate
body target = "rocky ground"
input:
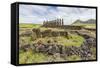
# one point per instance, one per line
(60, 52)
(54, 52)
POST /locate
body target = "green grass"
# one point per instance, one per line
(93, 50)
(25, 40)
(86, 25)
(32, 57)
(73, 58)
(29, 25)
(71, 40)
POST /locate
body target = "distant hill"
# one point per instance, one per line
(90, 21)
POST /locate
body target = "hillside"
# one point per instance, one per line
(90, 21)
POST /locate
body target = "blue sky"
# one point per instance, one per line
(37, 14)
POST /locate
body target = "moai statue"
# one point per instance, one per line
(62, 22)
(44, 23)
(57, 22)
(47, 23)
(52, 23)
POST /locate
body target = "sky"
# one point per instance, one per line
(37, 14)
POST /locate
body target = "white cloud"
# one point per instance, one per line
(37, 14)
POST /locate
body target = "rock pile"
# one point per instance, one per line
(52, 49)
(49, 33)
(25, 33)
(84, 51)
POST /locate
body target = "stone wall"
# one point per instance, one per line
(84, 51)
(49, 33)
(72, 27)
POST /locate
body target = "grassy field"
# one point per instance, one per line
(43, 28)
(32, 57)
(22, 25)
(71, 40)
(86, 25)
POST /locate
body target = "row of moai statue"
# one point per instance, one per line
(53, 23)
